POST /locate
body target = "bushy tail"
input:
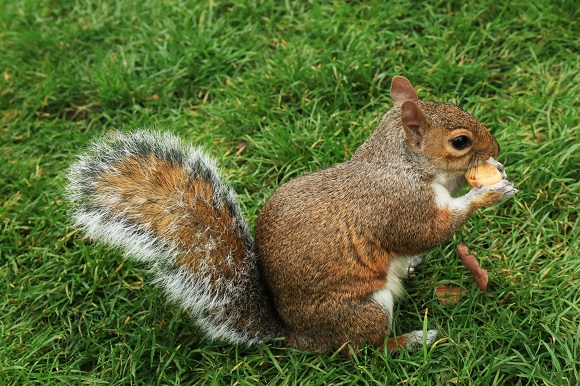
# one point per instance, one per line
(164, 203)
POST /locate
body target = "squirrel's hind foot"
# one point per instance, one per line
(413, 340)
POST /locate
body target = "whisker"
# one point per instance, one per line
(473, 163)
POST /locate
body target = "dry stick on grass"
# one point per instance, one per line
(470, 262)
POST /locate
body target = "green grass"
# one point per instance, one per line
(300, 85)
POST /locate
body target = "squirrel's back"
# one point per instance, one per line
(164, 203)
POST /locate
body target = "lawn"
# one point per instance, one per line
(273, 90)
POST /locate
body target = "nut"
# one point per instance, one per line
(484, 174)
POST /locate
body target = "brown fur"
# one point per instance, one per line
(323, 291)
(168, 194)
(160, 196)
(396, 343)
(326, 240)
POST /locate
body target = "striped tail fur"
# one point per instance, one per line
(164, 203)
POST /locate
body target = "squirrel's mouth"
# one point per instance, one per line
(476, 160)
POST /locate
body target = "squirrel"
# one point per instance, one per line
(331, 248)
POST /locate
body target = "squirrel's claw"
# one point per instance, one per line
(499, 167)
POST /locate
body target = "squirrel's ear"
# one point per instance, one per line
(413, 119)
(402, 90)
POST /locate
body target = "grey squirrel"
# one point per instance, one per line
(330, 247)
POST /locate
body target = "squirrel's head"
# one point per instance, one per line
(452, 139)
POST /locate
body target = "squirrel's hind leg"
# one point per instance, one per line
(386, 297)
(339, 324)
(371, 327)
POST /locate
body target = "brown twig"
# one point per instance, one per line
(479, 274)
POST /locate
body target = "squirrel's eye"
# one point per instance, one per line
(460, 142)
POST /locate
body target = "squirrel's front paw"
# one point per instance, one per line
(505, 188)
(499, 167)
(482, 196)
(492, 194)
(414, 261)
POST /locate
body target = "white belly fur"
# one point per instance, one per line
(393, 289)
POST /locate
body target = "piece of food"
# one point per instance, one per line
(484, 174)
(470, 262)
(449, 295)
